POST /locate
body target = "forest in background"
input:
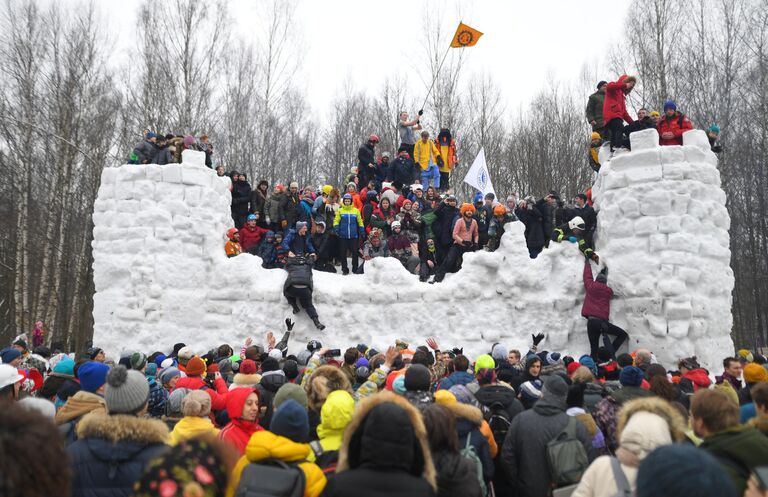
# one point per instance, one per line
(66, 112)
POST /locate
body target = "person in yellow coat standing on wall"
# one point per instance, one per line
(427, 156)
(446, 145)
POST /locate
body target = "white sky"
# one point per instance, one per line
(525, 43)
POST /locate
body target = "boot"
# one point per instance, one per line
(318, 324)
(296, 308)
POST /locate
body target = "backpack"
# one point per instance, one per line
(326, 460)
(271, 478)
(566, 456)
(498, 421)
(469, 452)
(622, 484)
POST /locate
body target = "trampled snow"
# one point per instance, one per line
(162, 276)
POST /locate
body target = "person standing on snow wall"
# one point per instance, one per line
(615, 108)
(597, 310)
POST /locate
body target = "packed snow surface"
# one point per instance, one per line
(162, 277)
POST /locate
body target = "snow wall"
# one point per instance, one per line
(162, 277)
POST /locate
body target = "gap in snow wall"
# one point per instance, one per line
(162, 277)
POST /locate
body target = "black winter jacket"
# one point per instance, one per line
(402, 170)
(112, 452)
(298, 274)
(443, 225)
(241, 196)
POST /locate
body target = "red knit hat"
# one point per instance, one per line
(572, 367)
(248, 366)
(195, 367)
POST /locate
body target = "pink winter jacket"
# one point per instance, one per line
(461, 234)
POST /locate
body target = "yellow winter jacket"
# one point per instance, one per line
(191, 427)
(335, 415)
(424, 153)
(266, 445)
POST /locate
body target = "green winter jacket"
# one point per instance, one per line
(738, 450)
(595, 110)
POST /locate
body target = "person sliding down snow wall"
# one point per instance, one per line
(298, 287)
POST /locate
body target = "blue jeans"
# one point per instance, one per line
(432, 173)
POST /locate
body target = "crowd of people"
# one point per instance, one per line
(403, 419)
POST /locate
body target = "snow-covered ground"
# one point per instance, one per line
(162, 277)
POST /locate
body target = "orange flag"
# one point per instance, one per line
(465, 36)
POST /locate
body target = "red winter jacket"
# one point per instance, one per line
(218, 396)
(677, 125)
(597, 302)
(239, 431)
(251, 237)
(614, 105)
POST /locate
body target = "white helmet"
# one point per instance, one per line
(9, 375)
(577, 223)
(395, 224)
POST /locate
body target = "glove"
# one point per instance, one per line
(466, 244)
(282, 345)
(537, 338)
(421, 112)
(289, 324)
(573, 239)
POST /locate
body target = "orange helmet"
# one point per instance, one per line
(499, 210)
(467, 207)
(231, 232)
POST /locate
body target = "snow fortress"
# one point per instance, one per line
(162, 277)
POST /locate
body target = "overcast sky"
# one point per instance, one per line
(524, 42)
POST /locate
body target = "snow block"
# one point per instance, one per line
(645, 139)
(193, 158)
(656, 203)
(646, 225)
(194, 175)
(172, 173)
(697, 138)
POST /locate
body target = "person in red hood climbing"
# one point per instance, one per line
(244, 413)
(615, 109)
(597, 310)
(694, 377)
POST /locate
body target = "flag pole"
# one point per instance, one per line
(437, 73)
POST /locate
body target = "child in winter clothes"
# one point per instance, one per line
(280, 252)
(267, 250)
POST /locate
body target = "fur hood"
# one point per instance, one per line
(420, 432)
(119, 428)
(466, 411)
(656, 406)
(246, 379)
(324, 380)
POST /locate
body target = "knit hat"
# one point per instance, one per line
(303, 357)
(666, 472)
(248, 366)
(9, 354)
(499, 353)
(195, 367)
(168, 362)
(362, 361)
(225, 366)
(93, 375)
(755, 373)
(745, 355)
(138, 360)
(588, 363)
(185, 354)
(417, 378)
(276, 354)
(631, 376)
(572, 367)
(362, 373)
(714, 129)
(484, 361)
(555, 388)
(126, 391)
(159, 359)
(300, 224)
(486, 376)
(670, 104)
(196, 403)
(40, 405)
(464, 395)
(530, 391)
(688, 363)
(65, 366)
(269, 364)
(167, 374)
(595, 136)
(290, 391)
(190, 468)
(554, 358)
(175, 400)
(151, 370)
(93, 352)
(20, 342)
(291, 421)
(445, 398)
(655, 113)
(293, 184)
(398, 385)
(291, 369)
(601, 83)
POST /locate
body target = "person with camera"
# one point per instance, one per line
(298, 287)
(406, 130)
(465, 239)
(528, 212)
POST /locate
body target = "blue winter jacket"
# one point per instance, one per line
(112, 453)
(293, 235)
(456, 378)
(348, 222)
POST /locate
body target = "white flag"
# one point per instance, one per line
(478, 176)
